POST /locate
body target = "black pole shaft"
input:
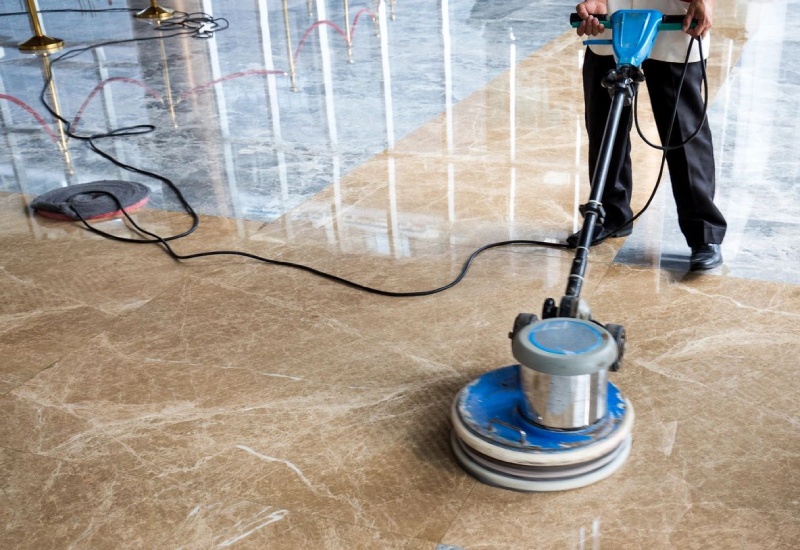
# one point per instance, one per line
(578, 271)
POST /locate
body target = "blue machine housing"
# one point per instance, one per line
(635, 34)
(493, 407)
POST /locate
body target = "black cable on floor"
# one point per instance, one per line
(200, 25)
(308, 269)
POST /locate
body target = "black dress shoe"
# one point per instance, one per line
(707, 256)
(601, 233)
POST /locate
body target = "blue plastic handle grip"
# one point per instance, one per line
(668, 22)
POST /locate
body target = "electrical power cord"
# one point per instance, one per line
(201, 25)
(308, 269)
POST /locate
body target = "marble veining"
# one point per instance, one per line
(220, 402)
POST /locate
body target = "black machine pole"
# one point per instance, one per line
(621, 85)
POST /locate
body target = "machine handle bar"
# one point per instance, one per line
(668, 22)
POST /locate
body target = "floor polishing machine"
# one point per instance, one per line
(554, 421)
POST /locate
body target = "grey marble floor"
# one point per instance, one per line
(295, 109)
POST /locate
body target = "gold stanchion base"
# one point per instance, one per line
(41, 44)
(155, 12)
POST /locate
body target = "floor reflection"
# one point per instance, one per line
(253, 121)
(153, 403)
(282, 104)
(755, 134)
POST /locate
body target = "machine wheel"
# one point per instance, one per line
(522, 321)
(618, 334)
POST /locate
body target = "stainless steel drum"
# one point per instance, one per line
(564, 371)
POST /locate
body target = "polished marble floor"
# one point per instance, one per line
(223, 402)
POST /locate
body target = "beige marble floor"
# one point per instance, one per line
(216, 402)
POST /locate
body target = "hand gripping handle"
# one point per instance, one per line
(668, 22)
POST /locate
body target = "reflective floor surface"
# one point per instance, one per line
(223, 402)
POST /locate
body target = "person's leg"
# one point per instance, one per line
(617, 191)
(691, 167)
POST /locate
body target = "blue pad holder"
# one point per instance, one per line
(492, 407)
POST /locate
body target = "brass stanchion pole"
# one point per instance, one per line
(289, 49)
(155, 12)
(39, 42)
(63, 145)
(168, 85)
(347, 31)
(376, 24)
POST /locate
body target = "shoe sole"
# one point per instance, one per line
(702, 267)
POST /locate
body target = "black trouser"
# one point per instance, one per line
(691, 168)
